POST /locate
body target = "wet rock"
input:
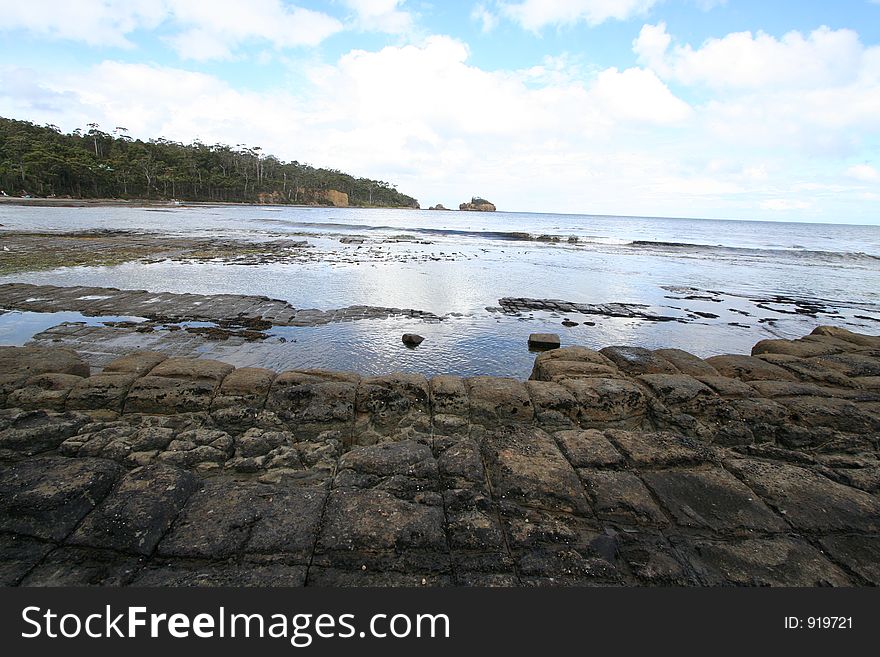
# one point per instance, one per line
(312, 402)
(24, 433)
(155, 394)
(544, 341)
(412, 340)
(686, 363)
(526, 466)
(106, 390)
(47, 497)
(635, 360)
(391, 406)
(861, 340)
(712, 499)
(76, 566)
(608, 402)
(622, 497)
(861, 554)
(18, 555)
(216, 521)
(748, 368)
(588, 449)
(18, 364)
(245, 387)
(45, 391)
(136, 362)
(554, 405)
(139, 511)
(764, 562)
(553, 549)
(498, 401)
(186, 574)
(364, 521)
(460, 465)
(807, 499)
(659, 449)
(571, 363)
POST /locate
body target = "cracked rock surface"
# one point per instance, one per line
(623, 466)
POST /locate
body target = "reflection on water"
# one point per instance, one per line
(616, 259)
(16, 327)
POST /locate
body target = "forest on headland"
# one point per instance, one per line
(43, 161)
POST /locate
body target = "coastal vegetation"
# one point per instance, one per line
(43, 161)
(478, 204)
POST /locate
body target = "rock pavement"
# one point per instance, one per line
(622, 466)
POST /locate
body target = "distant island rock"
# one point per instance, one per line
(478, 204)
(439, 206)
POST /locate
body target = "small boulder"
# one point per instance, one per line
(569, 323)
(412, 340)
(544, 341)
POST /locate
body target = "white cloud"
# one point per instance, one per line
(95, 22)
(215, 28)
(817, 94)
(421, 116)
(486, 18)
(537, 14)
(743, 60)
(381, 15)
(203, 29)
(639, 95)
(864, 172)
(549, 137)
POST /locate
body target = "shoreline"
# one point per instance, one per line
(621, 466)
(147, 203)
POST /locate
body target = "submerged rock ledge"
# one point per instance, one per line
(619, 466)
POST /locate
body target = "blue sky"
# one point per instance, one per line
(712, 108)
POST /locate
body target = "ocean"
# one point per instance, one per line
(721, 285)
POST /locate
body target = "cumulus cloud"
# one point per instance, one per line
(95, 22)
(420, 115)
(202, 29)
(381, 15)
(555, 136)
(214, 28)
(742, 60)
(817, 93)
(537, 14)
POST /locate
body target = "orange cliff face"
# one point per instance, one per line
(308, 197)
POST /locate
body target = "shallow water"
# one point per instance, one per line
(462, 262)
(16, 327)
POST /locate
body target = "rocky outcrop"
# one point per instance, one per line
(439, 206)
(624, 466)
(477, 204)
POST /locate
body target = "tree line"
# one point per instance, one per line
(43, 161)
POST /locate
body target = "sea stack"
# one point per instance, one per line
(478, 204)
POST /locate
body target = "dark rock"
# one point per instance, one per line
(139, 511)
(544, 341)
(412, 340)
(47, 497)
